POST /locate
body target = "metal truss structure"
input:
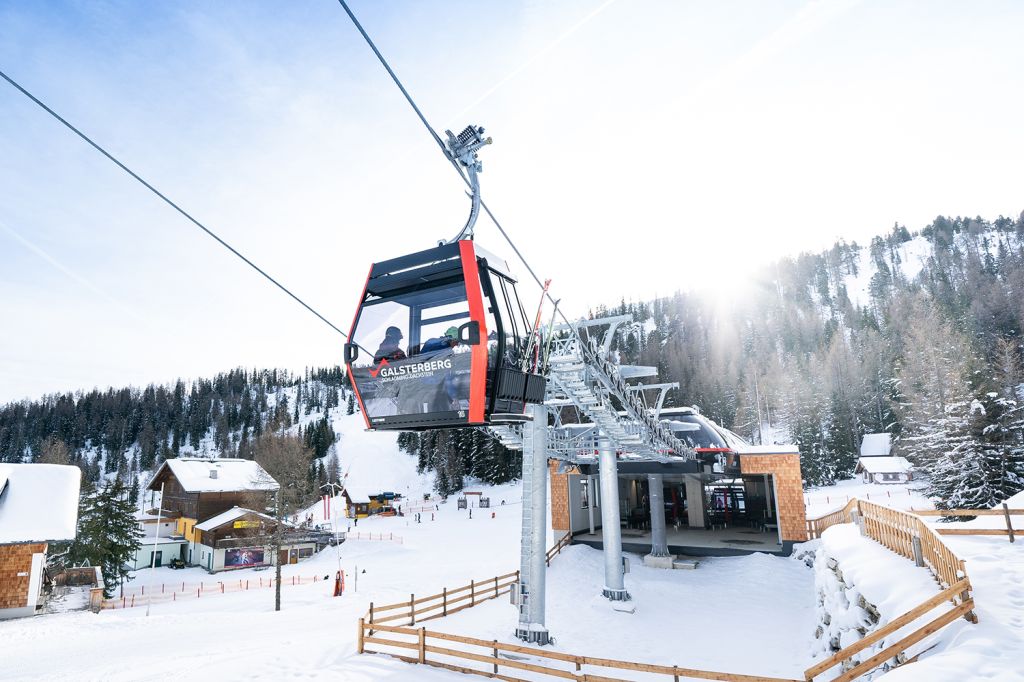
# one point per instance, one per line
(595, 411)
(591, 396)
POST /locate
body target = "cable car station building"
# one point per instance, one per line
(732, 499)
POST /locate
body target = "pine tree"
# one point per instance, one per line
(108, 534)
(350, 406)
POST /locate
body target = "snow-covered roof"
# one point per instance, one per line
(230, 515)
(768, 450)
(223, 474)
(876, 445)
(883, 465)
(38, 502)
(358, 495)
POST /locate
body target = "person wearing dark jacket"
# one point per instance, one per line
(389, 348)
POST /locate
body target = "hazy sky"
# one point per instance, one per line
(640, 147)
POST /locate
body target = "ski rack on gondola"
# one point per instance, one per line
(584, 376)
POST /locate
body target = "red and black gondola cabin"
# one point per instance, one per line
(438, 341)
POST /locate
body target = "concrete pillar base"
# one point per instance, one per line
(534, 634)
(659, 561)
(616, 595)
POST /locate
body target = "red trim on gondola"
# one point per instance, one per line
(712, 450)
(348, 366)
(478, 360)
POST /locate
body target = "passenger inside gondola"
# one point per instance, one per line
(449, 339)
(389, 348)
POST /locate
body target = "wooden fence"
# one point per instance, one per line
(449, 601)
(960, 607)
(445, 603)
(484, 657)
(906, 534)
(145, 595)
(564, 542)
(1005, 512)
(902, 532)
(815, 527)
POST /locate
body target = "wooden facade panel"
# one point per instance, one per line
(15, 560)
(198, 505)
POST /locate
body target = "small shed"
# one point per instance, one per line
(38, 505)
(876, 445)
(359, 502)
(885, 469)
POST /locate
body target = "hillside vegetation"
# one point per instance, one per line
(917, 334)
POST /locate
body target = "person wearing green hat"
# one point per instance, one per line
(449, 339)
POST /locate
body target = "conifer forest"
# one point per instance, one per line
(917, 334)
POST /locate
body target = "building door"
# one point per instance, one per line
(282, 557)
(159, 559)
(293, 556)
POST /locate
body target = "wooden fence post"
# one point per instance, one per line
(1009, 526)
(412, 609)
(360, 639)
(495, 587)
(423, 645)
(472, 593)
(495, 650)
(444, 601)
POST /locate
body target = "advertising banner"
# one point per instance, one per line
(423, 384)
(246, 556)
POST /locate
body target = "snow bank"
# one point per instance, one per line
(893, 585)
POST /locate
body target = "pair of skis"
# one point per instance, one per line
(532, 358)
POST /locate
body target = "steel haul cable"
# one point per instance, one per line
(170, 203)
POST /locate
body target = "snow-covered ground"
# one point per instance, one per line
(990, 650)
(743, 614)
(750, 615)
(824, 499)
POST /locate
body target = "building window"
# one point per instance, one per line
(584, 493)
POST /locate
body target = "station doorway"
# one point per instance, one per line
(706, 514)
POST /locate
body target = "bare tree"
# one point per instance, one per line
(286, 460)
(54, 451)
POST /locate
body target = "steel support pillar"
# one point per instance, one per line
(592, 501)
(695, 500)
(534, 531)
(659, 543)
(611, 532)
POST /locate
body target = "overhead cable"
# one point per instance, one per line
(170, 203)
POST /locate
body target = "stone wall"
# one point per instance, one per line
(789, 486)
(15, 569)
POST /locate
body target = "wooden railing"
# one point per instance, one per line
(564, 542)
(484, 657)
(905, 533)
(960, 607)
(901, 532)
(449, 601)
(442, 604)
(815, 527)
(1005, 512)
(908, 535)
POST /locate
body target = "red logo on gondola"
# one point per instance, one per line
(375, 372)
